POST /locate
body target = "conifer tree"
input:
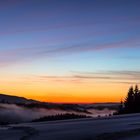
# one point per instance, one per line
(129, 101)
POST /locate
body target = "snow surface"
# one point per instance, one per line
(121, 127)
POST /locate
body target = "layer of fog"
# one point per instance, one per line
(11, 113)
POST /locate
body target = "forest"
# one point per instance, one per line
(131, 103)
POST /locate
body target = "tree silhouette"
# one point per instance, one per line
(137, 99)
(129, 101)
(136, 90)
(66, 116)
(132, 101)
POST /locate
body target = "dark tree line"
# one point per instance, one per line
(66, 116)
(132, 101)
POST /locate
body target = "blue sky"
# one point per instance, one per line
(82, 33)
(66, 37)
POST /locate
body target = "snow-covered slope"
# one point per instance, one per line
(112, 128)
(14, 99)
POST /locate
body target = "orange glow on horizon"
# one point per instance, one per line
(66, 92)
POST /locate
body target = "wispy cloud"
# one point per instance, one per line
(127, 77)
(91, 77)
(116, 77)
(61, 26)
(81, 77)
(31, 53)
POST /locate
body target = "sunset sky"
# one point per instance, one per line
(69, 50)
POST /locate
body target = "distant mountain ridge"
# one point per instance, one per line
(11, 99)
(15, 99)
